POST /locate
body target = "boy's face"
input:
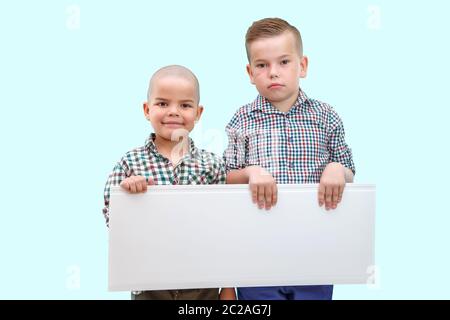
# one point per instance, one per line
(173, 107)
(276, 66)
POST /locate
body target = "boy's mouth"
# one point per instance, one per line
(172, 124)
(275, 86)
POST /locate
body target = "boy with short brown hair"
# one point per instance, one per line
(285, 137)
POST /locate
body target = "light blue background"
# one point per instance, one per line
(71, 100)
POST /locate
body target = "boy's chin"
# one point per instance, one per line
(274, 98)
(174, 135)
(277, 97)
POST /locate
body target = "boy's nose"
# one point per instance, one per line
(173, 111)
(273, 72)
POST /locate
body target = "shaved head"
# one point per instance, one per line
(174, 71)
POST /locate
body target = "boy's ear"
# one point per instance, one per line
(199, 113)
(303, 67)
(145, 107)
(250, 73)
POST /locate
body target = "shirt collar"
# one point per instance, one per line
(261, 103)
(151, 147)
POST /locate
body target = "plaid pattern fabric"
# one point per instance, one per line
(294, 147)
(196, 167)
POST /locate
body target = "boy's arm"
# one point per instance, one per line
(341, 168)
(262, 185)
(332, 184)
(348, 175)
(136, 184)
(219, 174)
(115, 178)
(120, 176)
(227, 294)
(239, 176)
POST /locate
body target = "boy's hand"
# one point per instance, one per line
(262, 186)
(136, 184)
(331, 187)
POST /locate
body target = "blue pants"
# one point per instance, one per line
(286, 293)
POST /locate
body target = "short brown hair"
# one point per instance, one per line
(270, 27)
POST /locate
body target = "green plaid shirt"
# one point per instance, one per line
(196, 167)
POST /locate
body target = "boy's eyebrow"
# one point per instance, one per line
(187, 100)
(259, 60)
(280, 57)
(165, 99)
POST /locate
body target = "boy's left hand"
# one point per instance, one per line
(331, 187)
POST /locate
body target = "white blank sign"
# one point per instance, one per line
(179, 237)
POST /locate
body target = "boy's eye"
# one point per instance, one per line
(186, 106)
(161, 104)
(260, 65)
(285, 61)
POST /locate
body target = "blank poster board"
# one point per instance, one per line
(201, 236)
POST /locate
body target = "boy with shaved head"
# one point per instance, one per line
(169, 157)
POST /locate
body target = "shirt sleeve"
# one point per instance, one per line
(338, 148)
(119, 173)
(217, 174)
(235, 155)
(221, 173)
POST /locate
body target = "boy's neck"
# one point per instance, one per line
(172, 150)
(285, 105)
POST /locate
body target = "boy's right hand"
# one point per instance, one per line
(136, 184)
(263, 187)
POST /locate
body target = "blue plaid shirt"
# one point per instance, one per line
(294, 146)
